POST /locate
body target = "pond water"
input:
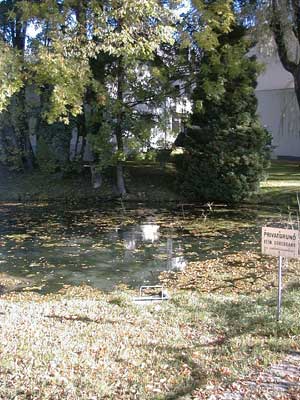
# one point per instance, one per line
(54, 246)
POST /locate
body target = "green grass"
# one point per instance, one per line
(285, 170)
(282, 185)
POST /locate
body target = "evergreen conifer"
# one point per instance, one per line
(226, 148)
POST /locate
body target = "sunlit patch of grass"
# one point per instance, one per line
(282, 184)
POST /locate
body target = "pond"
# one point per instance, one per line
(52, 246)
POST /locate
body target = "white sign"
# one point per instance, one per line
(280, 242)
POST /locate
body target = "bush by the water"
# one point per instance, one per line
(226, 148)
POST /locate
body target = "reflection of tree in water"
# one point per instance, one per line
(53, 249)
(176, 263)
(138, 235)
(135, 236)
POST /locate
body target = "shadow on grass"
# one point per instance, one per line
(241, 317)
(258, 316)
(197, 376)
(78, 318)
(282, 197)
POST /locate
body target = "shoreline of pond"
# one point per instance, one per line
(145, 183)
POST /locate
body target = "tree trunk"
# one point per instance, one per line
(28, 160)
(279, 31)
(19, 33)
(20, 127)
(120, 180)
(297, 83)
(118, 130)
(96, 178)
(26, 148)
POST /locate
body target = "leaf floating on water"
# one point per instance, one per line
(32, 288)
(18, 237)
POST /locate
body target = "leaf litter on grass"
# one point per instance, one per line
(84, 344)
(243, 272)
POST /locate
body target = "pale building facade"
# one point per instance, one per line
(278, 108)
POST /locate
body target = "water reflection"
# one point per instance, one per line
(150, 232)
(130, 244)
(176, 263)
(136, 235)
(55, 249)
(131, 236)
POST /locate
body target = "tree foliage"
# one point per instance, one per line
(226, 147)
(107, 64)
(93, 53)
(10, 74)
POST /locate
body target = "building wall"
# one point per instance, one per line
(274, 76)
(279, 113)
(278, 107)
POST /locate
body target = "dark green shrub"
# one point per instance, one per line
(226, 148)
(45, 157)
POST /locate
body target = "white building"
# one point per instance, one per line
(170, 119)
(278, 108)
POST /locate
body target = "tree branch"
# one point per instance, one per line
(278, 31)
(189, 82)
(296, 18)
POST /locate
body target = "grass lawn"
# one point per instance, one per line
(86, 345)
(145, 181)
(282, 184)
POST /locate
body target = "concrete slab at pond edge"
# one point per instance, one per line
(160, 294)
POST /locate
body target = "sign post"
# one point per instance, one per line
(278, 315)
(282, 243)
